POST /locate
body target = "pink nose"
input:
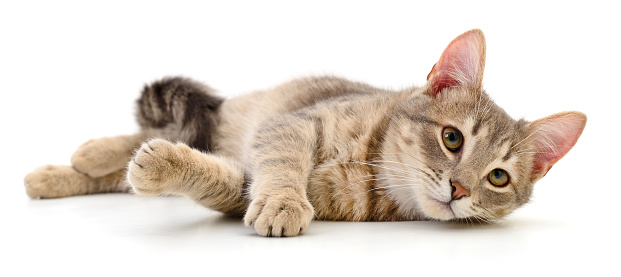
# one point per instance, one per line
(459, 191)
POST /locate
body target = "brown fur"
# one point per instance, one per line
(326, 148)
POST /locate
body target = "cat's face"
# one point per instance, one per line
(466, 154)
(458, 155)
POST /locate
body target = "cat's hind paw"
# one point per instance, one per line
(158, 167)
(100, 157)
(54, 181)
(286, 214)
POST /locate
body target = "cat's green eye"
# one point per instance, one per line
(452, 139)
(498, 177)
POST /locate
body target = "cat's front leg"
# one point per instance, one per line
(282, 159)
(163, 168)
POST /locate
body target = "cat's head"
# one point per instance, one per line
(462, 156)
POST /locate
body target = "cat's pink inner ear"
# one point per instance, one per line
(461, 64)
(553, 137)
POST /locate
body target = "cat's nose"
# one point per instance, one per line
(459, 191)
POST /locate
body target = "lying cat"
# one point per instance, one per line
(328, 148)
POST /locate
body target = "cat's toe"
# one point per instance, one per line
(279, 216)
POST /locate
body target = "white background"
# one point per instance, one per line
(70, 71)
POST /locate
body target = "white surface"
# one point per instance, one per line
(70, 71)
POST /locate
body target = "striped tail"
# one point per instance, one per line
(180, 109)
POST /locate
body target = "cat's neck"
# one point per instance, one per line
(393, 163)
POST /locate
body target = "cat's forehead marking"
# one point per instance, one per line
(509, 154)
(499, 160)
(476, 127)
(469, 142)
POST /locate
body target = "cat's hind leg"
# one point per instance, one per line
(163, 168)
(102, 156)
(54, 181)
(98, 167)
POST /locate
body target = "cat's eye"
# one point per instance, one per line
(498, 177)
(452, 139)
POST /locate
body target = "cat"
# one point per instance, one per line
(327, 148)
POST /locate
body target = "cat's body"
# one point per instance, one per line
(345, 124)
(328, 148)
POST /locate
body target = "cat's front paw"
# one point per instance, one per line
(284, 214)
(158, 167)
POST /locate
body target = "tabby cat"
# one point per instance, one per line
(327, 148)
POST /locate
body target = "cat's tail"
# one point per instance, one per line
(179, 109)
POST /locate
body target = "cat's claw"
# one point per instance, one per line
(281, 215)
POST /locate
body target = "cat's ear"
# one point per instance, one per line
(552, 137)
(460, 65)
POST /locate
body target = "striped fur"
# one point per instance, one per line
(179, 109)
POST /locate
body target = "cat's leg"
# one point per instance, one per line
(282, 157)
(54, 181)
(102, 156)
(98, 167)
(163, 168)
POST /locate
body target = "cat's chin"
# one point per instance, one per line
(437, 209)
(441, 210)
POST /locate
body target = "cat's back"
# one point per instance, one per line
(239, 117)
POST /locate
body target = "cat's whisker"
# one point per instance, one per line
(390, 187)
(394, 119)
(377, 178)
(534, 151)
(488, 107)
(358, 182)
(399, 179)
(481, 219)
(479, 98)
(391, 192)
(419, 176)
(485, 214)
(546, 142)
(472, 220)
(375, 165)
(350, 185)
(409, 155)
(409, 166)
(524, 139)
(417, 169)
(395, 162)
(533, 148)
